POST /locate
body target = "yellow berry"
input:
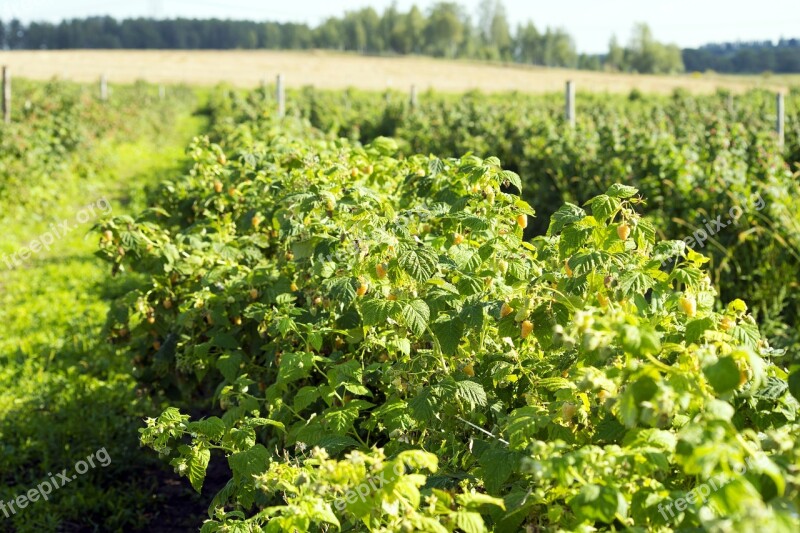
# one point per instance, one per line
(362, 289)
(689, 305)
(526, 328)
(623, 231)
(522, 221)
(602, 299)
(506, 310)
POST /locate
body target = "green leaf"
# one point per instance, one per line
(604, 207)
(644, 233)
(566, 214)
(469, 522)
(498, 464)
(572, 238)
(449, 334)
(305, 397)
(376, 311)
(294, 366)
(508, 177)
(723, 375)
(228, 365)
(746, 334)
(261, 422)
(610, 430)
(422, 406)
(436, 166)
(335, 444)
(342, 289)
(635, 282)
(794, 384)
(598, 503)
(619, 190)
(696, 328)
(340, 419)
(384, 146)
(471, 392)
(419, 262)
(244, 465)
(212, 428)
(416, 314)
(198, 463)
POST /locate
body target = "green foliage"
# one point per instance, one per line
(695, 159)
(355, 320)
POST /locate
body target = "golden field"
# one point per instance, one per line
(339, 70)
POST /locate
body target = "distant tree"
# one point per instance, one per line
(296, 36)
(527, 44)
(615, 60)
(389, 21)
(329, 34)
(444, 31)
(493, 30)
(559, 49)
(590, 62)
(372, 26)
(15, 39)
(415, 25)
(272, 35)
(644, 54)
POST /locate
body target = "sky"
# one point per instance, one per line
(688, 23)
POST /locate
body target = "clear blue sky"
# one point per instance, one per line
(592, 22)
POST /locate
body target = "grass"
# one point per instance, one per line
(325, 69)
(71, 393)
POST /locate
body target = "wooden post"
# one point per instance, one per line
(103, 87)
(280, 93)
(413, 98)
(6, 95)
(569, 108)
(780, 124)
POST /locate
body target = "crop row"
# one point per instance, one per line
(371, 342)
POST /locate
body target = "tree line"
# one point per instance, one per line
(752, 57)
(446, 29)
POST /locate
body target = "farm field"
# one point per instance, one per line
(331, 70)
(461, 315)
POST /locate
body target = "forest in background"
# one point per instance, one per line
(447, 29)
